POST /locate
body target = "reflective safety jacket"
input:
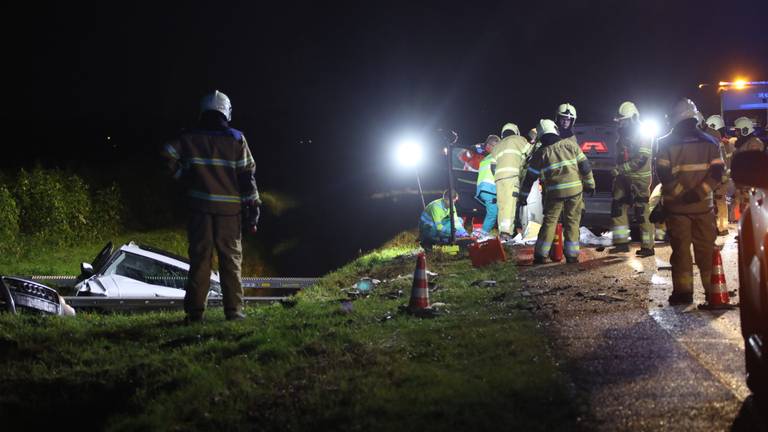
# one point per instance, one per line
(562, 168)
(726, 151)
(438, 217)
(485, 179)
(510, 155)
(633, 159)
(216, 167)
(689, 161)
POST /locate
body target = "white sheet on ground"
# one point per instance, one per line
(588, 238)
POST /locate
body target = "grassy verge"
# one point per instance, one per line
(482, 365)
(36, 257)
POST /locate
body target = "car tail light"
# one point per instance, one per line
(596, 146)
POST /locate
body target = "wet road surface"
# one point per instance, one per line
(638, 363)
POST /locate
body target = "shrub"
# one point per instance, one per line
(9, 221)
(53, 205)
(108, 211)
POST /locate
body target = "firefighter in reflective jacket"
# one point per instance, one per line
(510, 156)
(565, 174)
(486, 186)
(715, 126)
(745, 141)
(690, 168)
(215, 165)
(631, 183)
(435, 222)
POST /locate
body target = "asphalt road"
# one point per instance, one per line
(636, 362)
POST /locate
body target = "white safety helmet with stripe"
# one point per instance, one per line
(546, 126)
(217, 101)
(715, 122)
(683, 110)
(744, 126)
(627, 111)
(510, 127)
(567, 110)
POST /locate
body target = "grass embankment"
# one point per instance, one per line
(482, 365)
(36, 257)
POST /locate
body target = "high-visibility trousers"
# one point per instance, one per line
(506, 199)
(571, 210)
(491, 210)
(684, 230)
(205, 233)
(622, 210)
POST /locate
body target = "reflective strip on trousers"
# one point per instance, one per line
(571, 248)
(542, 248)
(620, 233)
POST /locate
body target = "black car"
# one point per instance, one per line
(597, 141)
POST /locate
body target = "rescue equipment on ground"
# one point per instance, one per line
(486, 252)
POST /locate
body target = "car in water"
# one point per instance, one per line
(749, 168)
(18, 295)
(137, 271)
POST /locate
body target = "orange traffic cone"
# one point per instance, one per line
(556, 253)
(717, 297)
(737, 212)
(419, 290)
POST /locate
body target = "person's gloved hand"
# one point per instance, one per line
(589, 191)
(614, 172)
(690, 197)
(251, 214)
(462, 234)
(522, 200)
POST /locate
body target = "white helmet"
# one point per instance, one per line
(510, 127)
(715, 122)
(683, 110)
(217, 101)
(546, 126)
(567, 110)
(627, 110)
(744, 126)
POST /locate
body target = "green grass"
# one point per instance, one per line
(36, 257)
(482, 365)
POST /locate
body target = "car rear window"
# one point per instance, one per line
(597, 140)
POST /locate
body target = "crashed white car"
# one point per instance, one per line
(137, 271)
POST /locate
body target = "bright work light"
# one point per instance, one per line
(409, 152)
(650, 128)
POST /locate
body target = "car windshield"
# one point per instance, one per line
(151, 271)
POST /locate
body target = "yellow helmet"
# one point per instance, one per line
(627, 110)
(510, 127)
(567, 110)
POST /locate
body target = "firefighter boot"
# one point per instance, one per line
(619, 248)
(680, 298)
(645, 252)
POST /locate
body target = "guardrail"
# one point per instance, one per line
(248, 282)
(149, 303)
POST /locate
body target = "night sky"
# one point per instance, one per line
(350, 77)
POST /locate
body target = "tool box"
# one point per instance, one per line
(486, 252)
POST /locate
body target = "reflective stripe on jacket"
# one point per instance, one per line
(437, 215)
(216, 167)
(562, 168)
(485, 180)
(634, 158)
(510, 156)
(689, 160)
